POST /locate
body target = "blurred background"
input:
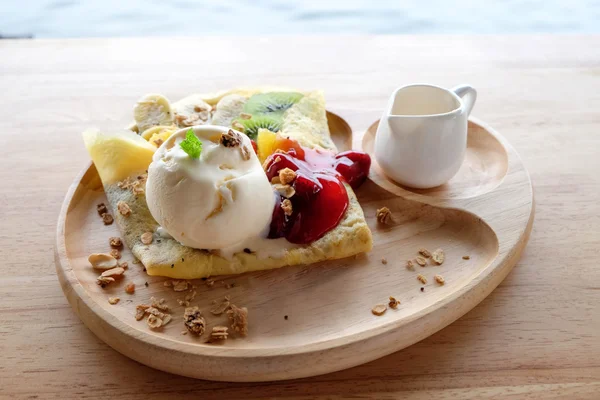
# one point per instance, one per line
(101, 18)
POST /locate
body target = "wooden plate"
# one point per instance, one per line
(311, 320)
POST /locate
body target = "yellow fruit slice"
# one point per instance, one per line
(158, 134)
(152, 110)
(266, 141)
(118, 155)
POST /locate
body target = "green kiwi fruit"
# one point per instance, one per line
(273, 104)
(252, 125)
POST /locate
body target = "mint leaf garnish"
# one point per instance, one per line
(191, 145)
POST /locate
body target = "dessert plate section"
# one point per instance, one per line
(484, 167)
(314, 319)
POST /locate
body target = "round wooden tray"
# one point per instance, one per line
(315, 319)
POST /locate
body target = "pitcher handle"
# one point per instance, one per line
(468, 95)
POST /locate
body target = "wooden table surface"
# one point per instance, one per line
(536, 336)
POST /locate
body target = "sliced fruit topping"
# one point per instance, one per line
(353, 166)
(251, 126)
(118, 155)
(157, 135)
(272, 104)
(152, 110)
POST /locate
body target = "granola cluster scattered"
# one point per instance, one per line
(238, 317)
(393, 302)
(384, 215)
(107, 219)
(379, 309)
(194, 321)
(123, 208)
(157, 311)
(231, 139)
(136, 185)
(218, 333)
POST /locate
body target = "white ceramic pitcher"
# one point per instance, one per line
(422, 137)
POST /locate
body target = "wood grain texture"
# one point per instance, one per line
(313, 319)
(536, 336)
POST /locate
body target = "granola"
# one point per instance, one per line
(379, 309)
(101, 208)
(113, 300)
(393, 302)
(438, 256)
(107, 218)
(221, 308)
(439, 279)
(231, 139)
(422, 261)
(425, 253)
(193, 320)
(115, 242)
(286, 205)
(410, 265)
(219, 333)
(238, 318)
(466, 257)
(115, 253)
(384, 261)
(286, 191)
(384, 215)
(287, 176)
(123, 208)
(146, 238)
(422, 279)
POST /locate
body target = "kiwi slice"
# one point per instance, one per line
(273, 104)
(252, 125)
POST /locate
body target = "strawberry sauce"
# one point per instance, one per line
(320, 198)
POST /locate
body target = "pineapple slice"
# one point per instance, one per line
(267, 144)
(118, 155)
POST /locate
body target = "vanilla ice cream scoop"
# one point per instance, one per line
(215, 201)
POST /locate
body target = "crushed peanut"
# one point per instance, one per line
(384, 215)
(438, 256)
(115, 242)
(193, 320)
(393, 303)
(102, 261)
(286, 176)
(425, 253)
(107, 219)
(130, 288)
(220, 308)
(422, 279)
(115, 253)
(286, 205)
(113, 273)
(238, 318)
(379, 309)
(245, 116)
(146, 238)
(219, 333)
(422, 261)
(113, 300)
(101, 208)
(439, 279)
(384, 261)
(286, 191)
(230, 139)
(123, 208)
(410, 265)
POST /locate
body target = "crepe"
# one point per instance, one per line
(305, 122)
